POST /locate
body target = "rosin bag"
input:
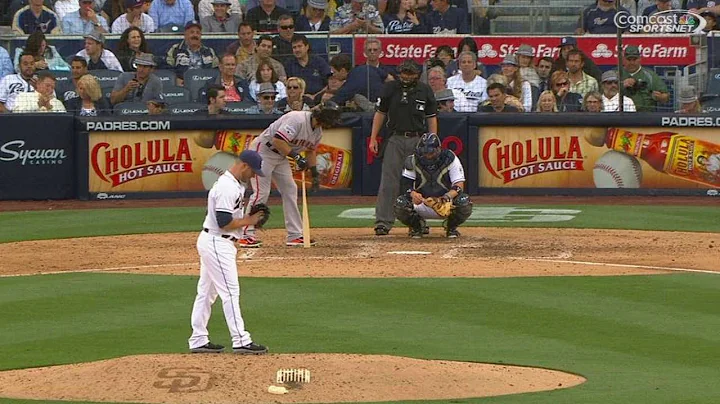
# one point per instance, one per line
(334, 165)
(676, 154)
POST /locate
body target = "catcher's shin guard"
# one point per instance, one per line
(405, 212)
(461, 212)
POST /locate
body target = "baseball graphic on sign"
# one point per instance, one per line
(215, 167)
(617, 170)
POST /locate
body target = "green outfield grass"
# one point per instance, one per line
(638, 339)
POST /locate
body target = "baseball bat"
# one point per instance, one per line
(305, 215)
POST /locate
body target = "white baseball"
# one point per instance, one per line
(215, 167)
(617, 170)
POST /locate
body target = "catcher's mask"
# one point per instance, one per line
(327, 114)
(428, 149)
(412, 72)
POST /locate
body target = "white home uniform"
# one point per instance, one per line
(218, 265)
(457, 174)
(12, 85)
(475, 92)
(294, 127)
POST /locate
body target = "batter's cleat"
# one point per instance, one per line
(381, 230)
(453, 233)
(415, 233)
(208, 348)
(299, 242)
(251, 349)
(249, 242)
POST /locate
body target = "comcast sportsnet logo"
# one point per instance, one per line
(663, 22)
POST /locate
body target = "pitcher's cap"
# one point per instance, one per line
(253, 159)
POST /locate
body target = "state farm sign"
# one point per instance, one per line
(655, 50)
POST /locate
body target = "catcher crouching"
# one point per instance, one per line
(433, 178)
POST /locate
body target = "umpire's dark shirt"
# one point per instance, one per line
(407, 111)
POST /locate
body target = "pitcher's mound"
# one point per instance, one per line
(232, 379)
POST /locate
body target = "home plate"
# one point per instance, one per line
(410, 252)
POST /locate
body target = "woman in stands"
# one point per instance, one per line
(90, 101)
(266, 74)
(401, 18)
(295, 100)
(132, 43)
(517, 86)
(593, 102)
(566, 101)
(46, 56)
(546, 102)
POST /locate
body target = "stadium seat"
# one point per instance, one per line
(61, 75)
(237, 108)
(195, 80)
(166, 76)
(105, 77)
(713, 84)
(175, 95)
(107, 88)
(187, 108)
(130, 108)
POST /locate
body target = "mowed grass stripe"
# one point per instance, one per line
(604, 328)
(97, 222)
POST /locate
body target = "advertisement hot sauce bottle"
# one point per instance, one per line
(675, 154)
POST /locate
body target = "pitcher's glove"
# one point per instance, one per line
(260, 207)
(442, 206)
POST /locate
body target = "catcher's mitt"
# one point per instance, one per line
(440, 206)
(260, 207)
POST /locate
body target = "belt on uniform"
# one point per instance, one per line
(271, 147)
(227, 236)
(408, 134)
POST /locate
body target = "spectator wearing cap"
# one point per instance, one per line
(611, 94)
(445, 100)
(42, 99)
(524, 55)
(357, 17)
(401, 18)
(641, 84)
(99, 58)
(244, 47)
(566, 100)
(139, 86)
(438, 83)
(567, 44)
(36, 17)
(689, 102)
(264, 17)
(90, 100)
(599, 18)
(206, 8)
(496, 95)
(313, 69)
(236, 88)
(282, 43)
(263, 50)
(84, 21)
(171, 13)
(444, 19)
(221, 20)
(473, 87)
(266, 101)
(134, 17)
(190, 53)
(315, 18)
(517, 85)
(580, 82)
(157, 106)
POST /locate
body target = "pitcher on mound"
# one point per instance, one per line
(291, 134)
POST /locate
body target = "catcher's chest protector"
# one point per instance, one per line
(434, 180)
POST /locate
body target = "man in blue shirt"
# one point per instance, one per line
(600, 18)
(313, 69)
(169, 13)
(6, 65)
(364, 80)
(36, 17)
(447, 20)
(84, 21)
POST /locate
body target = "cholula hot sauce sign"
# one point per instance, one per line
(129, 162)
(519, 159)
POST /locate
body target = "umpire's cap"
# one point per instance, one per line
(327, 113)
(409, 66)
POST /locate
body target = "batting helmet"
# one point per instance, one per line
(327, 114)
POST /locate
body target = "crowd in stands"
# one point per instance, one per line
(271, 68)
